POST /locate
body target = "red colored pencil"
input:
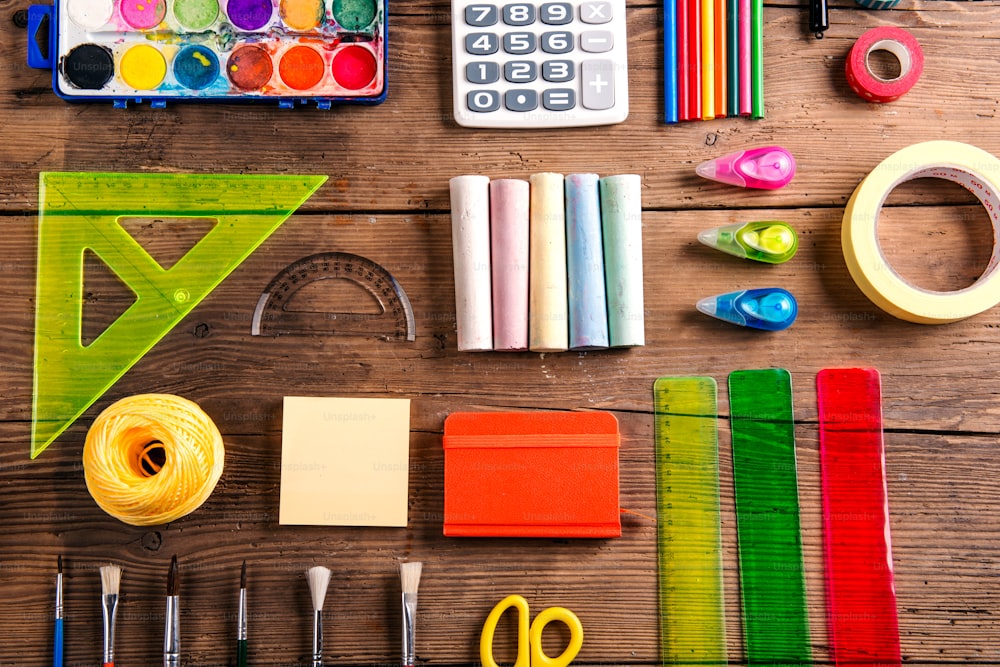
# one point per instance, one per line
(694, 58)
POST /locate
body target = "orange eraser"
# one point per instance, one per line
(531, 474)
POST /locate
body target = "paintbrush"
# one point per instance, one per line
(172, 627)
(111, 576)
(57, 649)
(409, 577)
(319, 579)
(241, 621)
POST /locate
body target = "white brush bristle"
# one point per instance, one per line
(111, 577)
(409, 576)
(319, 579)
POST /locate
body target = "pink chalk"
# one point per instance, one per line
(509, 200)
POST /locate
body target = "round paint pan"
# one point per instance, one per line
(143, 14)
(143, 67)
(354, 14)
(301, 15)
(90, 14)
(196, 67)
(88, 66)
(196, 15)
(249, 15)
(354, 67)
(249, 67)
(301, 67)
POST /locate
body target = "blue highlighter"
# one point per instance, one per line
(769, 308)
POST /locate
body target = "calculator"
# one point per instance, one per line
(539, 64)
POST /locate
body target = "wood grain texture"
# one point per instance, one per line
(387, 199)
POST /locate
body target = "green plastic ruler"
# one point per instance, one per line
(775, 620)
(692, 614)
(81, 212)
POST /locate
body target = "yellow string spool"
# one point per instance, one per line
(152, 458)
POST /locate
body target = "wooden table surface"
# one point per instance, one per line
(387, 199)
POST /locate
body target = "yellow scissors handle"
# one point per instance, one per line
(538, 657)
(529, 639)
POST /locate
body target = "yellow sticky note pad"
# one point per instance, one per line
(344, 461)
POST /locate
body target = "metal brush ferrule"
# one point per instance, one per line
(409, 628)
(109, 604)
(172, 633)
(317, 659)
(241, 616)
(59, 595)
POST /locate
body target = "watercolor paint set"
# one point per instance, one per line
(285, 51)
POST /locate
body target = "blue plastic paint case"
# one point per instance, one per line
(323, 52)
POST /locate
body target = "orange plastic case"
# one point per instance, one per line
(531, 474)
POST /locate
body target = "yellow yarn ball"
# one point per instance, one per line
(152, 458)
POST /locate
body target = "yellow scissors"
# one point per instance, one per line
(529, 637)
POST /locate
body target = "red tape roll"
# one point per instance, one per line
(899, 43)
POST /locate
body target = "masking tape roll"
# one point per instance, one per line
(152, 458)
(972, 168)
(899, 43)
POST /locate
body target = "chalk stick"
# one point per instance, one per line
(470, 238)
(588, 305)
(621, 219)
(509, 199)
(548, 326)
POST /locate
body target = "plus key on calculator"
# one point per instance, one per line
(539, 64)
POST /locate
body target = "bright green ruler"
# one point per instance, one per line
(692, 614)
(775, 621)
(80, 213)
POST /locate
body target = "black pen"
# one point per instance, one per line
(819, 18)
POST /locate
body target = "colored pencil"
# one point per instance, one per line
(670, 96)
(746, 60)
(733, 56)
(683, 58)
(721, 64)
(694, 58)
(707, 59)
(757, 39)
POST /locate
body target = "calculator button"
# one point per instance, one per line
(556, 13)
(557, 42)
(483, 100)
(519, 14)
(598, 78)
(596, 41)
(482, 71)
(482, 43)
(558, 71)
(520, 71)
(481, 16)
(559, 99)
(519, 43)
(596, 12)
(521, 100)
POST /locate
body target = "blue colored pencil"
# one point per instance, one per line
(670, 99)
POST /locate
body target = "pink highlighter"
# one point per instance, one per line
(767, 168)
